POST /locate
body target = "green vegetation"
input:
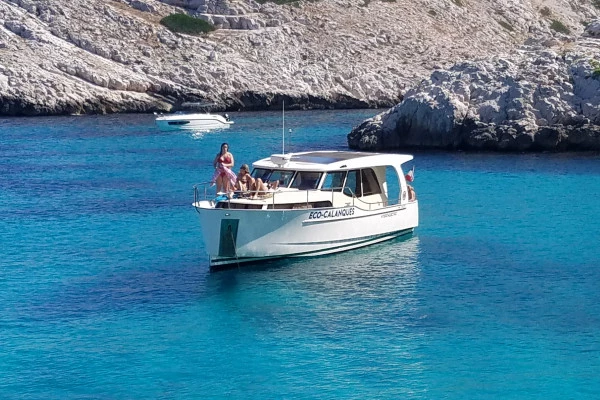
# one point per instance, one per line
(183, 23)
(367, 2)
(460, 3)
(280, 2)
(559, 27)
(506, 26)
(546, 11)
(595, 68)
(596, 3)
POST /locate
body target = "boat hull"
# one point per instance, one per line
(235, 236)
(192, 122)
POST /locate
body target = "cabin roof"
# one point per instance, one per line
(333, 160)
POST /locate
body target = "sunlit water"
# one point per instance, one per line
(105, 290)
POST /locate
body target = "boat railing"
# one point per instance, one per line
(201, 191)
(204, 191)
(368, 206)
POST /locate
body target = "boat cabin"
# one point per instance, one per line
(325, 179)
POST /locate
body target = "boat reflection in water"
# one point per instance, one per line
(368, 295)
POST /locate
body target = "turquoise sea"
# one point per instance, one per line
(105, 290)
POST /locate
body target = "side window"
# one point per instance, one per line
(334, 181)
(391, 187)
(306, 180)
(370, 185)
(352, 187)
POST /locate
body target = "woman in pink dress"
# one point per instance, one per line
(224, 177)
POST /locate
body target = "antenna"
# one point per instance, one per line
(282, 159)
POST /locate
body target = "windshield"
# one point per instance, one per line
(306, 180)
(269, 176)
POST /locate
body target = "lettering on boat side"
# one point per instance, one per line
(389, 214)
(344, 212)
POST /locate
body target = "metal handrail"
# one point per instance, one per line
(205, 185)
(363, 205)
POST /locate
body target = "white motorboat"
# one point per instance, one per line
(200, 121)
(192, 121)
(321, 202)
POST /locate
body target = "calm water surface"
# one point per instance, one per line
(105, 290)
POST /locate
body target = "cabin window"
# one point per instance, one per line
(391, 187)
(305, 180)
(262, 173)
(269, 175)
(370, 185)
(334, 181)
(362, 183)
(284, 177)
(352, 186)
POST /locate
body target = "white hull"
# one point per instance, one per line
(234, 236)
(192, 122)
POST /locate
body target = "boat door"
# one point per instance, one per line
(228, 237)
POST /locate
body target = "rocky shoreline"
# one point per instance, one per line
(92, 56)
(534, 99)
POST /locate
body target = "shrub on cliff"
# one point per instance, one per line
(281, 2)
(183, 23)
(595, 69)
(559, 27)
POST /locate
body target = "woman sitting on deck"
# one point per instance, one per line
(246, 183)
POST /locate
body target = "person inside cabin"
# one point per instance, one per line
(224, 177)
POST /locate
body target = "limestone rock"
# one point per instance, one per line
(63, 56)
(532, 99)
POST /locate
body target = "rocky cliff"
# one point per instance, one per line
(535, 99)
(98, 56)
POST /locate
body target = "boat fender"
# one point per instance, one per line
(404, 195)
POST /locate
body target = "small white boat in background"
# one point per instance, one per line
(200, 121)
(322, 202)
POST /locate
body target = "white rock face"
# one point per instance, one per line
(78, 56)
(531, 99)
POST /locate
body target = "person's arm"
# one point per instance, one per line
(216, 160)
